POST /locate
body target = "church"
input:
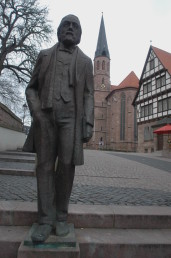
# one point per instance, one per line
(115, 125)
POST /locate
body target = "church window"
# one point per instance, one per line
(98, 65)
(103, 65)
(108, 67)
(102, 80)
(122, 117)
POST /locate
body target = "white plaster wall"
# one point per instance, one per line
(11, 140)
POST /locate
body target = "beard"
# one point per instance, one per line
(69, 39)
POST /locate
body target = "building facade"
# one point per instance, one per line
(121, 119)
(114, 123)
(153, 100)
(11, 130)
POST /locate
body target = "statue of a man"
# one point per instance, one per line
(60, 97)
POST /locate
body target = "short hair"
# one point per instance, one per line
(68, 18)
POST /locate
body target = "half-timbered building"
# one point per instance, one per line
(153, 100)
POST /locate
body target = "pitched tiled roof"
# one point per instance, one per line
(164, 57)
(131, 81)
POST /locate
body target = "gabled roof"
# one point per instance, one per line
(102, 47)
(164, 57)
(131, 81)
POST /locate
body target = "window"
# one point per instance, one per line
(169, 103)
(142, 111)
(160, 106)
(102, 80)
(161, 81)
(122, 117)
(147, 110)
(147, 87)
(164, 104)
(103, 65)
(150, 109)
(98, 65)
(148, 133)
(108, 66)
(151, 64)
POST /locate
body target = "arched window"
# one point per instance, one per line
(103, 65)
(98, 65)
(108, 66)
(122, 117)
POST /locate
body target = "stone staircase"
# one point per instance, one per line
(17, 163)
(101, 231)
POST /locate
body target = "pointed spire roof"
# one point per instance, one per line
(102, 47)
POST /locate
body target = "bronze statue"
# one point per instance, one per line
(60, 97)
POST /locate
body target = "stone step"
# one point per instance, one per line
(98, 243)
(17, 213)
(17, 158)
(16, 172)
(19, 153)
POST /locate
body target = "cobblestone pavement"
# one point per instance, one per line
(106, 178)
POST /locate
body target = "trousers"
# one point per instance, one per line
(54, 143)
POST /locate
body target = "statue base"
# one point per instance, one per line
(53, 247)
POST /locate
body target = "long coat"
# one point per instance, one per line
(39, 94)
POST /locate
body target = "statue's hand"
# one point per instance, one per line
(88, 132)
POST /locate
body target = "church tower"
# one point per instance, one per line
(102, 62)
(102, 87)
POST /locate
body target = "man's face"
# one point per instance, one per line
(69, 32)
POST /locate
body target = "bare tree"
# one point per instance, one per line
(23, 28)
(11, 92)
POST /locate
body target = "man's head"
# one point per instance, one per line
(69, 30)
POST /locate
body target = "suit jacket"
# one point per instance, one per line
(39, 94)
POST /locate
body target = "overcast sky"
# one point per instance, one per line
(131, 26)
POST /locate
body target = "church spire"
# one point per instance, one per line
(102, 47)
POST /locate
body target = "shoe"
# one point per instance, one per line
(41, 233)
(62, 228)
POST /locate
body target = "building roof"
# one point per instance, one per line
(102, 47)
(6, 109)
(131, 81)
(164, 57)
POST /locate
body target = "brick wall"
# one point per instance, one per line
(114, 121)
(9, 120)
